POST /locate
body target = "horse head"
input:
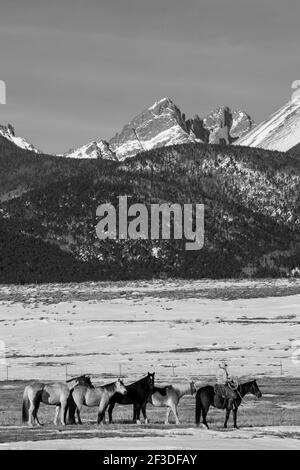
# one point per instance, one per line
(82, 380)
(86, 380)
(255, 390)
(150, 379)
(120, 387)
(193, 388)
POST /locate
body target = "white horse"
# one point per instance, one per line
(96, 396)
(56, 394)
(170, 396)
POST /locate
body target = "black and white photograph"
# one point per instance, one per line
(149, 228)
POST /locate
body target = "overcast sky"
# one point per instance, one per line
(77, 70)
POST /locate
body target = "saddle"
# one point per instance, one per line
(223, 393)
(220, 398)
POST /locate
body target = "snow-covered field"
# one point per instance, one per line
(285, 437)
(179, 329)
(174, 328)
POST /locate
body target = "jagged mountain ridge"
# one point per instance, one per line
(8, 132)
(160, 125)
(163, 124)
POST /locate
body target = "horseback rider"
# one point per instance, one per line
(226, 385)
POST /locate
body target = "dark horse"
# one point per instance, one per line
(205, 397)
(137, 395)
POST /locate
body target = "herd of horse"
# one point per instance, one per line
(70, 397)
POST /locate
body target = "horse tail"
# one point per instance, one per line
(25, 406)
(71, 408)
(198, 408)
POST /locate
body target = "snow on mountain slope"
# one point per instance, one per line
(160, 125)
(94, 149)
(280, 132)
(9, 133)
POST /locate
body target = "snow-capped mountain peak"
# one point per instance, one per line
(94, 149)
(8, 132)
(280, 132)
(162, 102)
(161, 124)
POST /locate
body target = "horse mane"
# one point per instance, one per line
(109, 387)
(143, 379)
(248, 382)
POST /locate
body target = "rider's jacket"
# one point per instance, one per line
(222, 376)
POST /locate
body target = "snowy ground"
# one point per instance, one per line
(285, 437)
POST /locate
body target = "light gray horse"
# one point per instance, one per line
(56, 394)
(170, 396)
(97, 396)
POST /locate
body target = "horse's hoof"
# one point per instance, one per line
(146, 421)
(138, 422)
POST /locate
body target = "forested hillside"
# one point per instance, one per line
(252, 214)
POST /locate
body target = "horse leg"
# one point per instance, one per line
(78, 415)
(204, 414)
(137, 413)
(167, 415)
(235, 409)
(37, 405)
(63, 413)
(110, 410)
(134, 413)
(31, 410)
(101, 412)
(57, 410)
(175, 413)
(227, 417)
(144, 413)
(37, 421)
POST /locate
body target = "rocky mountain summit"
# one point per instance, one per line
(8, 132)
(163, 124)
